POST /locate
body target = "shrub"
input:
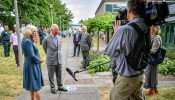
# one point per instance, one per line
(98, 59)
(167, 67)
(170, 52)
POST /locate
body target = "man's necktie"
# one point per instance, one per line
(77, 37)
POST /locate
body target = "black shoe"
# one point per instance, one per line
(53, 91)
(62, 89)
(73, 56)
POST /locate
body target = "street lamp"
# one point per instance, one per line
(60, 23)
(51, 12)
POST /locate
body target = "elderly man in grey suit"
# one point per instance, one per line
(52, 48)
(85, 46)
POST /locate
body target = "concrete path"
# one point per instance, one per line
(84, 89)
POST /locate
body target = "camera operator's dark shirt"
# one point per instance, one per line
(121, 45)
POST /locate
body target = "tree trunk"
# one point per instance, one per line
(98, 42)
(107, 37)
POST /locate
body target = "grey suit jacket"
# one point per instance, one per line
(85, 42)
(54, 56)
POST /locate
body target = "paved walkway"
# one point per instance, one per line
(84, 89)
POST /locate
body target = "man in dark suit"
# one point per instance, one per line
(85, 46)
(76, 41)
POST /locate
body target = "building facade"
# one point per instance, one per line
(75, 26)
(111, 6)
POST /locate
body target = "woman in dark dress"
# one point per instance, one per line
(151, 74)
(32, 73)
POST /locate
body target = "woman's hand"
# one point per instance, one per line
(41, 60)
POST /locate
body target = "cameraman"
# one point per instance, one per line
(129, 83)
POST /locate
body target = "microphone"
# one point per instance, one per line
(71, 73)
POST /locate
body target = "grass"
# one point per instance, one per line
(165, 93)
(11, 82)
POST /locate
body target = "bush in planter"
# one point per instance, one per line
(99, 60)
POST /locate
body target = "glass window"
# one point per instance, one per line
(108, 7)
(115, 10)
(116, 6)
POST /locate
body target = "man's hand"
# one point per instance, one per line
(116, 25)
(41, 60)
(79, 43)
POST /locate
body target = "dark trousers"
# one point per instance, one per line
(1, 41)
(41, 40)
(86, 58)
(6, 48)
(75, 47)
(15, 49)
(54, 69)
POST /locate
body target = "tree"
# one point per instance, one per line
(101, 23)
(36, 12)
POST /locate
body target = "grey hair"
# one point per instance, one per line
(77, 28)
(138, 7)
(84, 27)
(29, 30)
(53, 26)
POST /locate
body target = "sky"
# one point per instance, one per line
(82, 9)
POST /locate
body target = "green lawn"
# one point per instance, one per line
(165, 93)
(11, 82)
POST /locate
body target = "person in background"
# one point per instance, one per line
(76, 42)
(32, 71)
(5, 36)
(85, 46)
(45, 32)
(41, 35)
(151, 74)
(14, 28)
(14, 41)
(36, 39)
(22, 28)
(1, 30)
(64, 34)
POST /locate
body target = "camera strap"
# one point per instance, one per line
(137, 28)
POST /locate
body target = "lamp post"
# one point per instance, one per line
(60, 23)
(18, 36)
(63, 25)
(51, 12)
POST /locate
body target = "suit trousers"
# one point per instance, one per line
(15, 49)
(75, 47)
(55, 69)
(86, 57)
(128, 87)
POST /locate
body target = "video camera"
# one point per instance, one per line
(122, 16)
(156, 13)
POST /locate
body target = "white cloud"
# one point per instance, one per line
(82, 9)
